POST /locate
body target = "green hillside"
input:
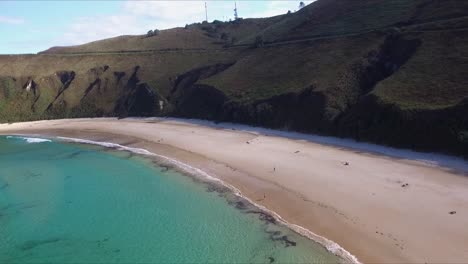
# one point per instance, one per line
(387, 71)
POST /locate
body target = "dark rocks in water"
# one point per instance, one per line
(277, 236)
(271, 259)
(297, 151)
(28, 245)
(27, 206)
(99, 242)
(287, 242)
(30, 175)
(4, 186)
(241, 205)
(74, 154)
(405, 185)
(217, 188)
(452, 212)
(263, 216)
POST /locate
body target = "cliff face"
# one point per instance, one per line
(393, 75)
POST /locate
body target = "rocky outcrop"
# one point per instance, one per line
(138, 98)
(198, 100)
(30, 86)
(302, 111)
(392, 54)
(66, 77)
(443, 130)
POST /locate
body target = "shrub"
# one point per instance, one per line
(152, 33)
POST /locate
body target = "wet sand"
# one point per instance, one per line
(379, 208)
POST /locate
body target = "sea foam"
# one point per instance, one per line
(30, 139)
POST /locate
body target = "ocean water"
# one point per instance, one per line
(63, 202)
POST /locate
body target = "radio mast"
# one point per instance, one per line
(235, 11)
(206, 12)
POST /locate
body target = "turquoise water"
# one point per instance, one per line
(62, 202)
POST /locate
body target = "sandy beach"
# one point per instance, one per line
(379, 208)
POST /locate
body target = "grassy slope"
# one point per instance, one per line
(333, 17)
(436, 76)
(177, 38)
(292, 68)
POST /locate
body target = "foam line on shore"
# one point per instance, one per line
(30, 139)
(328, 244)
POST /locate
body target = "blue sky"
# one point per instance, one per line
(33, 26)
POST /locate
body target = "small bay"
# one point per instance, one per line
(69, 203)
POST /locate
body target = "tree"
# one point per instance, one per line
(301, 5)
(152, 33)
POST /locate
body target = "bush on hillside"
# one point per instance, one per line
(152, 33)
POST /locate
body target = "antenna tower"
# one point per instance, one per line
(235, 11)
(206, 12)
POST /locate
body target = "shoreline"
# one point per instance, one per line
(186, 169)
(198, 173)
(326, 213)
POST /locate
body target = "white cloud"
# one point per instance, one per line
(11, 20)
(167, 14)
(135, 17)
(275, 8)
(86, 29)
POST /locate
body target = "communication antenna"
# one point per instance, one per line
(235, 11)
(206, 12)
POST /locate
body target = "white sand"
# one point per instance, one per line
(362, 206)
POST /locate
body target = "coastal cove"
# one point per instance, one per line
(355, 198)
(77, 202)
